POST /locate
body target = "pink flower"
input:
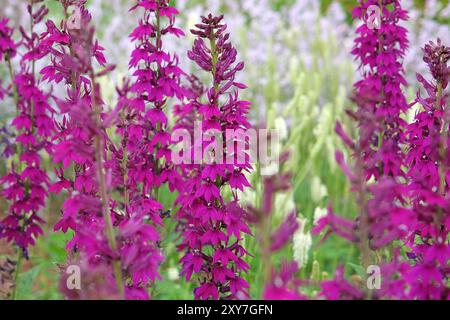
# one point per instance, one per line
(7, 45)
(207, 290)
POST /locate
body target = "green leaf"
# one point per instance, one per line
(358, 269)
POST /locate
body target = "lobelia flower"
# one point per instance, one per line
(96, 281)
(123, 239)
(212, 227)
(157, 79)
(428, 172)
(380, 52)
(81, 142)
(377, 152)
(25, 186)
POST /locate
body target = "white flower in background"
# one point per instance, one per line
(284, 204)
(281, 127)
(302, 242)
(330, 144)
(173, 274)
(372, 180)
(318, 190)
(247, 198)
(270, 169)
(319, 213)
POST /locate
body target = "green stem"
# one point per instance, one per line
(14, 87)
(19, 164)
(158, 125)
(16, 273)
(103, 191)
(442, 149)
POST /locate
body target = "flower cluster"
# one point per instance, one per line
(81, 140)
(428, 187)
(142, 163)
(144, 127)
(381, 102)
(213, 226)
(25, 186)
(113, 205)
(380, 52)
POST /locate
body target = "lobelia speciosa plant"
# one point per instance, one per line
(425, 274)
(422, 272)
(81, 144)
(26, 184)
(142, 162)
(157, 82)
(381, 105)
(383, 215)
(380, 51)
(213, 227)
(110, 240)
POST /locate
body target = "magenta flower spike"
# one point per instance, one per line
(212, 226)
(380, 51)
(81, 143)
(142, 164)
(378, 150)
(384, 216)
(428, 188)
(25, 186)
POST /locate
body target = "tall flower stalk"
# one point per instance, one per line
(213, 226)
(381, 102)
(124, 237)
(26, 185)
(428, 188)
(380, 51)
(81, 139)
(142, 163)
